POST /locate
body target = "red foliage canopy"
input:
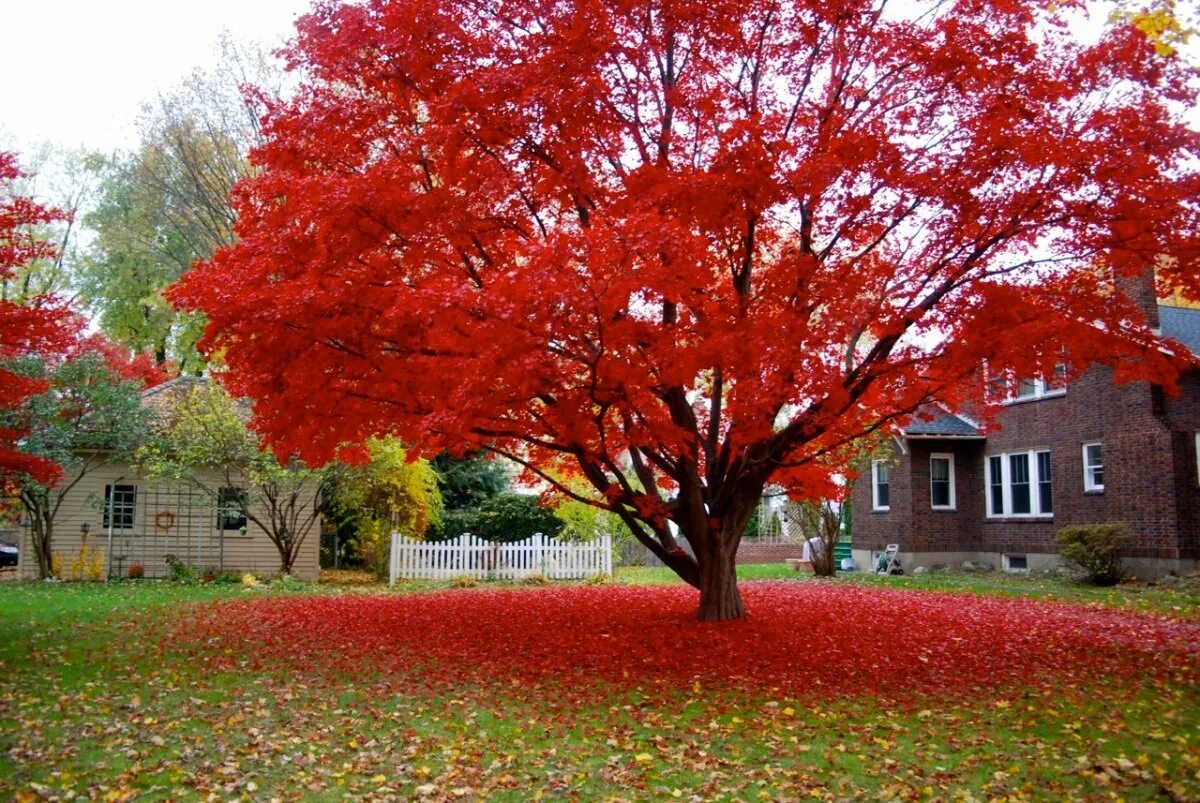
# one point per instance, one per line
(140, 368)
(42, 324)
(702, 242)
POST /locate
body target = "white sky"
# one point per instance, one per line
(75, 72)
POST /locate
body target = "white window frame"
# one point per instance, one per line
(1035, 497)
(1089, 481)
(875, 466)
(1198, 458)
(1041, 389)
(123, 517)
(953, 497)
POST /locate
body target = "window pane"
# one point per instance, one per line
(1018, 471)
(231, 509)
(939, 469)
(1045, 489)
(996, 478)
(1093, 466)
(882, 488)
(939, 481)
(1027, 389)
(121, 502)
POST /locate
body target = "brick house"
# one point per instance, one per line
(1091, 452)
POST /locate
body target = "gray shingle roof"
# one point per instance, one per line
(1182, 324)
(936, 421)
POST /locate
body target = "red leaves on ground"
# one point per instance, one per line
(798, 638)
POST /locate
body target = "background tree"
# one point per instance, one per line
(204, 441)
(89, 416)
(467, 482)
(388, 493)
(167, 204)
(29, 323)
(710, 241)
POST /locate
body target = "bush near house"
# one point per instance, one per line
(1095, 550)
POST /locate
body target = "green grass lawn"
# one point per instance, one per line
(98, 699)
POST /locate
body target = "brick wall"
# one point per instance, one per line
(1182, 413)
(750, 552)
(1137, 447)
(873, 529)
(1151, 480)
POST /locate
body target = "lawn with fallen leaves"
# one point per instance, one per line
(828, 690)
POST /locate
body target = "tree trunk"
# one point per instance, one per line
(43, 538)
(720, 599)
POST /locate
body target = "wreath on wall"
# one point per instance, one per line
(164, 520)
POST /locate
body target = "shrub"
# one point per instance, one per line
(249, 580)
(136, 571)
(535, 580)
(1094, 550)
(505, 518)
(463, 581)
(599, 579)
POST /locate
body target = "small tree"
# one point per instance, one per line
(822, 524)
(204, 441)
(88, 417)
(37, 324)
(389, 492)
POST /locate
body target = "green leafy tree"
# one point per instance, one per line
(166, 205)
(505, 518)
(204, 440)
(89, 417)
(389, 492)
(468, 482)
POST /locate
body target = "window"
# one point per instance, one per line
(1028, 389)
(1015, 563)
(1045, 490)
(1003, 389)
(1093, 467)
(995, 472)
(880, 487)
(941, 481)
(1019, 484)
(120, 504)
(231, 508)
(1057, 383)
(1198, 458)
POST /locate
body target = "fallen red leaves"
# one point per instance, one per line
(798, 638)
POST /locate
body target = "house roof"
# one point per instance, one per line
(164, 401)
(1182, 324)
(935, 422)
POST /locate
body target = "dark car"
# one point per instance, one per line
(9, 554)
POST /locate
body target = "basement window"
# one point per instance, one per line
(1015, 563)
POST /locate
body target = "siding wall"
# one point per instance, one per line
(169, 520)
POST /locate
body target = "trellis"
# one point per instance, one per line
(177, 521)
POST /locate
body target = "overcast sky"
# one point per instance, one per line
(75, 72)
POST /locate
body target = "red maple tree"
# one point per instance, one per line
(686, 248)
(41, 324)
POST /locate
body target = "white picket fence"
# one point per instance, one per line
(471, 556)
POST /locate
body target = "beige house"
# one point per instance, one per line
(130, 519)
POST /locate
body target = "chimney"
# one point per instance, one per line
(1133, 253)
